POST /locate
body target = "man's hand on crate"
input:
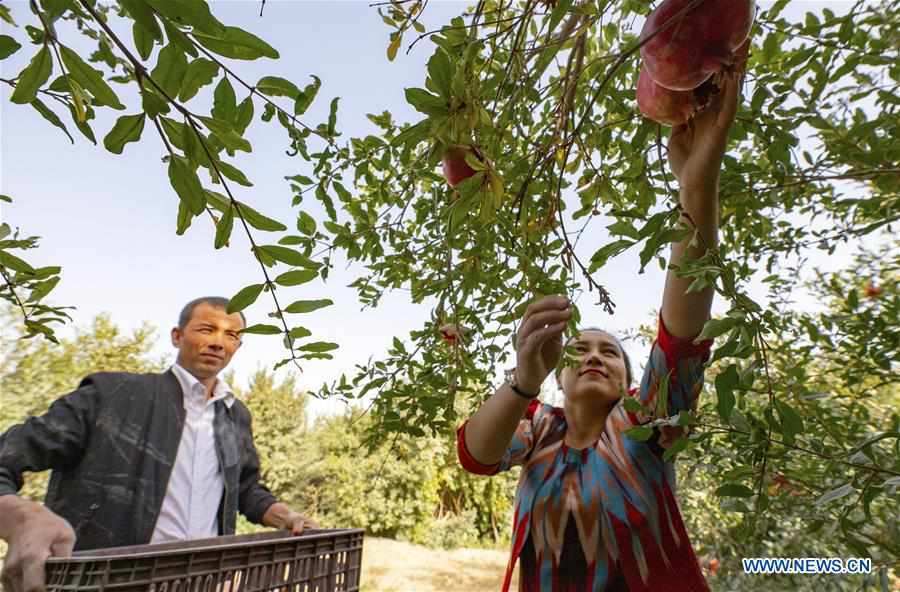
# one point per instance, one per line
(280, 516)
(33, 533)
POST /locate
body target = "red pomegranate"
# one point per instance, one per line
(700, 43)
(873, 290)
(671, 107)
(456, 169)
(451, 333)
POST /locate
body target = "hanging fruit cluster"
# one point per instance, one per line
(685, 62)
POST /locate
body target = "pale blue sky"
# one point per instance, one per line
(109, 220)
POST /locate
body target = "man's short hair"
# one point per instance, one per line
(216, 301)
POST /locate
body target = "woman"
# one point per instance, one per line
(594, 508)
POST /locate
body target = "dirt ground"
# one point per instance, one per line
(394, 566)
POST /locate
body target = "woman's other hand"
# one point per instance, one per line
(539, 341)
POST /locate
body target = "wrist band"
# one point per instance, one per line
(522, 393)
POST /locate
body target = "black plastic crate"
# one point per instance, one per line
(316, 561)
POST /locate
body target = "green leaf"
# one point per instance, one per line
(639, 433)
(289, 256)
(12, 262)
(791, 422)
(152, 103)
(260, 222)
(244, 115)
(425, 102)
(89, 78)
(440, 70)
(8, 46)
(179, 39)
(143, 41)
(677, 446)
(6, 16)
(193, 13)
(186, 184)
(715, 327)
(305, 98)
(304, 306)
(144, 20)
(82, 124)
(171, 66)
(319, 347)
(300, 333)
(32, 77)
(226, 134)
(53, 9)
(277, 87)
(224, 101)
(52, 117)
(199, 73)
(296, 277)
(263, 330)
(412, 134)
(237, 44)
(393, 46)
(606, 252)
(632, 405)
(734, 490)
(42, 289)
(223, 228)
(662, 396)
(835, 494)
(244, 298)
(326, 201)
(128, 128)
(6, 198)
(174, 130)
(306, 223)
(183, 221)
(234, 174)
(332, 115)
(725, 384)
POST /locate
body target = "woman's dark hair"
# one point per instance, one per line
(628, 374)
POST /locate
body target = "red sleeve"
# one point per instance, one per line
(680, 347)
(466, 459)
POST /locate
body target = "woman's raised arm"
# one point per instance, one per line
(695, 155)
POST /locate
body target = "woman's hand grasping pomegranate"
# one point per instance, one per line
(697, 147)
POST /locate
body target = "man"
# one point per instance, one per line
(139, 458)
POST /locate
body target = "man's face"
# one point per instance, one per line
(208, 341)
(598, 370)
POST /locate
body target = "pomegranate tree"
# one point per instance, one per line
(687, 51)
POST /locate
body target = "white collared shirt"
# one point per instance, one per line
(195, 488)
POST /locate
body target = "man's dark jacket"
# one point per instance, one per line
(112, 444)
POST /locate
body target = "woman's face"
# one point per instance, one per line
(597, 371)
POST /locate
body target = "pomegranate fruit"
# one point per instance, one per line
(456, 169)
(699, 44)
(451, 333)
(671, 107)
(873, 290)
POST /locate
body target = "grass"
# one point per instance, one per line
(396, 566)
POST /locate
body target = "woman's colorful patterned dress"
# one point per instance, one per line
(604, 518)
